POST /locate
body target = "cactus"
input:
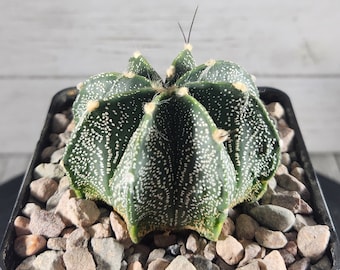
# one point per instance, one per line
(176, 154)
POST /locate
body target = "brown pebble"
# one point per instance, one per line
(43, 188)
(120, 230)
(228, 228)
(274, 261)
(136, 265)
(270, 239)
(193, 243)
(246, 227)
(28, 245)
(302, 264)
(46, 223)
(312, 241)
(79, 259)
(230, 250)
(21, 225)
(158, 264)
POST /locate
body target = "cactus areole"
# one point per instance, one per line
(172, 155)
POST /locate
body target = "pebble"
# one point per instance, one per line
(274, 261)
(43, 188)
(120, 230)
(57, 243)
(289, 182)
(302, 220)
(274, 217)
(49, 170)
(55, 199)
(286, 135)
(49, 260)
(246, 227)
(210, 251)
(285, 159)
(275, 109)
(287, 256)
(230, 250)
(158, 264)
(298, 173)
(141, 254)
(302, 264)
(251, 251)
(47, 152)
(157, 253)
(59, 123)
(228, 228)
(77, 238)
(100, 230)
(27, 264)
(270, 239)
(254, 265)
(79, 259)
(180, 262)
(312, 241)
(79, 212)
(291, 247)
(201, 263)
(27, 245)
(107, 252)
(21, 225)
(135, 266)
(29, 208)
(57, 155)
(322, 264)
(193, 243)
(46, 223)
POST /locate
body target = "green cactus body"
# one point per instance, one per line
(176, 155)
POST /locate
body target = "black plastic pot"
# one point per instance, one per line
(64, 99)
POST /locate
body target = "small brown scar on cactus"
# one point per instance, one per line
(92, 105)
(220, 135)
(240, 86)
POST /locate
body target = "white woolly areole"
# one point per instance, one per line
(129, 75)
(182, 91)
(170, 72)
(220, 135)
(136, 54)
(210, 62)
(240, 86)
(149, 107)
(80, 86)
(157, 86)
(188, 46)
(92, 105)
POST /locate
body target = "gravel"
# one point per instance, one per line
(278, 232)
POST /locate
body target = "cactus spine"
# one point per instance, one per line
(173, 155)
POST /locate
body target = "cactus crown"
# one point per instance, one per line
(176, 154)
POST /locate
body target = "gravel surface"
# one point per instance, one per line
(56, 230)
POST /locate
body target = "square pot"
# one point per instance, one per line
(64, 99)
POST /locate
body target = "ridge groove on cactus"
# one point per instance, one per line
(176, 154)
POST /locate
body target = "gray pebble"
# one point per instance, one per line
(274, 217)
(49, 260)
(108, 253)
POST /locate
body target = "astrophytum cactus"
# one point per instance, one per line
(172, 155)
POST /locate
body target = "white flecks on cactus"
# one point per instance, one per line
(174, 154)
